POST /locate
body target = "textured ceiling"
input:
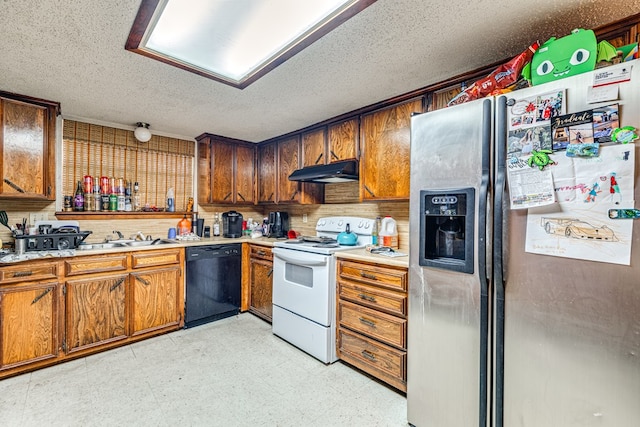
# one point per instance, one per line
(73, 53)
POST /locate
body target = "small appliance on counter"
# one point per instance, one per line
(278, 225)
(231, 224)
(54, 235)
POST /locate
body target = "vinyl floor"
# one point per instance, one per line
(233, 372)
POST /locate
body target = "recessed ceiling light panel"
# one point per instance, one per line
(237, 41)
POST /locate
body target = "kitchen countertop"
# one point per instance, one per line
(364, 255)
(354, 254)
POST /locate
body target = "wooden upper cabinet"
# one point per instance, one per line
(27, 147)
(384, 161)
(245, 174)
(342, 139)
(314, 147)
(267, 173)
(222, 160)
(226, 171)
(204, 173)
(288, 161)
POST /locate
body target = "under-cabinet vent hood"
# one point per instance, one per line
(327, 174)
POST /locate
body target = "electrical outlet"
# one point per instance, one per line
(304, 218)
(38, 216)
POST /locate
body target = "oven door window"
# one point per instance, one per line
(298, 274)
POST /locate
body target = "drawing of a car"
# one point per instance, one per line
(577, 229)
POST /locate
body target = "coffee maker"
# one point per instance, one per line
(278, 225)
(231, 224)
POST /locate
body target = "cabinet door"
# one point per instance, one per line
(222, 172)
(27, 149)
(267, 173)
(95, 311)
(343, 141)
(384, 161)
(245, 171)
(260, 301)
(156, 299)
(288, 161)
(313, 148)
(204, 172)
(29, 325)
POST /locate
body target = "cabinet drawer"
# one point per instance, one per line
(262, 252)
(386, 277)
(154, 258)
(383, 362)
(28, 272)
(95, 264)
(374, 297)
(388, 329)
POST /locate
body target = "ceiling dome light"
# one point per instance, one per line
(142, 132)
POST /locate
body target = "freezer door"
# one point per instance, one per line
(448, 310)
(572, 327)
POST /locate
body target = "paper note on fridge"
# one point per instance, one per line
(529, 186)
(599, 94)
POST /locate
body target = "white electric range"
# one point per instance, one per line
(304, 285)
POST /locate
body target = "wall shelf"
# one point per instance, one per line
(108, 215)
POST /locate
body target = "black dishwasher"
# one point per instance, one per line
(213, 283)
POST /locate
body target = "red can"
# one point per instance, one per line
(104, 185)
(88, 184)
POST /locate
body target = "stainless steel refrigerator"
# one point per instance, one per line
(499, 336)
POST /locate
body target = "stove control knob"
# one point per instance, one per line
(340, 223)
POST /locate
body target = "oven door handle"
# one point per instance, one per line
(302, 259)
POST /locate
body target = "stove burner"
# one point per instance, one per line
(322, 240)
(326, 245)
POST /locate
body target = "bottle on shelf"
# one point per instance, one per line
(216, 224)
(171, 207)
(127, 197)
(78, 199)
(136, 197)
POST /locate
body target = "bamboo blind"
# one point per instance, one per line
(157, 165)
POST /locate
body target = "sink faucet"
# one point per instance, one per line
(120, 235)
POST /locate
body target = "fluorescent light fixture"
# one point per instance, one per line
(234, 41)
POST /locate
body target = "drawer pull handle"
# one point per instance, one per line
(242, 197)
(270, 273)
(227, 196)
(367, 297)
(144, 281)
(368, 355)
(261, 253)
(39, 297)
(115, 285)
(22, 273)
(368, 276)
(367, 322)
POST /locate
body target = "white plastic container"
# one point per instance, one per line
(388, 233)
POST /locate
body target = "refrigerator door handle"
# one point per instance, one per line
(498, 251)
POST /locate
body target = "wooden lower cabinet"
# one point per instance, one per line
(372, 319)
(52, 311)
(156, 302)
(261, 282)
(29, 319)
(95, 311)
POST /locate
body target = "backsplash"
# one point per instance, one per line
(16, 210)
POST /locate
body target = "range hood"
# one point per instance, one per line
(327, 174)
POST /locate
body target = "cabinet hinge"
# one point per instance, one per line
(64, 345)
(64, 289)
